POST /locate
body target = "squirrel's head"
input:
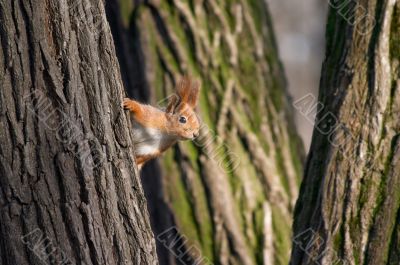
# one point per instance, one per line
(181, 110)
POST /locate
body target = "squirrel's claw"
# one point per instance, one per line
(128, 104)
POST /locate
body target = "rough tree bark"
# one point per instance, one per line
(69, 188)
(238, 215)
(348, 209)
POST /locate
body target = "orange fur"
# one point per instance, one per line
(146, 115)
(140, 160)
(157, 130)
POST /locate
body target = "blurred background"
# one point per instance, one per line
(300, 30)
(253, 58)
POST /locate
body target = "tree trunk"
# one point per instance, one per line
(348, 209)
(230, 194)
(69, 188)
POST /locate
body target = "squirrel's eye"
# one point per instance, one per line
(182, 119)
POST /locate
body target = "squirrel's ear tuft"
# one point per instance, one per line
(188, 91)
(183, 89)
(173, 101)
(194, 94)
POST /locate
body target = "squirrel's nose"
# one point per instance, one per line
(195, 134)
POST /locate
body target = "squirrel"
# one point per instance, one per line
(156, 130)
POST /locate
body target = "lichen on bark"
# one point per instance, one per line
(240, 216)
(349, 197)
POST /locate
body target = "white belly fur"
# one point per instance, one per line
(148, 140)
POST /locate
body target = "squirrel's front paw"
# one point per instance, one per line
(128, 104)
